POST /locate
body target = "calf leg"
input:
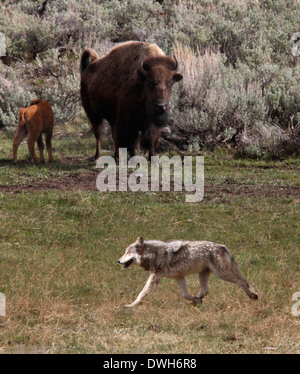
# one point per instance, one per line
(49, 145)
(183, 287)
(41, 147)
(32, 138)
(20, 135)
(151, 283)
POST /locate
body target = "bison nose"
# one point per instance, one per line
(160, 107)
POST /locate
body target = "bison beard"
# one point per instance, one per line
(131, 88)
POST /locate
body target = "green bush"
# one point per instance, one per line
(14, 94)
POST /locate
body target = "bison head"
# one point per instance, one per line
(159, 74)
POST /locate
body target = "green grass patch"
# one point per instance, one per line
(66, 293)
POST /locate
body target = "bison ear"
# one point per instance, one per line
(177, 77)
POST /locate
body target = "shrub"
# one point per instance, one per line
(240, 77)
(214, 102)
(283, 97)
(14, 94)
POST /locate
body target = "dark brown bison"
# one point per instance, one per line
(130, 87)
(35, 120)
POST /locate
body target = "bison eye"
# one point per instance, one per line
(152, 84)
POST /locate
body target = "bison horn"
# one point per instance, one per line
(176, 62)
(143, 68)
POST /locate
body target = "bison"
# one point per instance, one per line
(36, 119)
(131, 88)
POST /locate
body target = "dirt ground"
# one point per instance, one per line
(86, 181)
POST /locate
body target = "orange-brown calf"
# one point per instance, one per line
(35, 120)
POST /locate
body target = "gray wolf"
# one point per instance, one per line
(177, 259)
(131, 88)
(36, 119)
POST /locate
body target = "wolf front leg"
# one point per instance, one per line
(151, 283)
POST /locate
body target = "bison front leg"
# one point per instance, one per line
(155, 141)
(150, 140)
(114, 132)
(126, 136)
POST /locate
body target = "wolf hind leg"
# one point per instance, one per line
(151, 283)
(203, 278)
(231, 274)
(183, 287)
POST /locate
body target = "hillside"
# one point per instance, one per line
(241, 87)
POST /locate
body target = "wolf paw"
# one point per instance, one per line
(253, 296)
(131, 305)
(196, 301)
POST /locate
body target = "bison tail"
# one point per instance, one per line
(88, 56)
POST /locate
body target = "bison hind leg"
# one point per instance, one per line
(98, 131)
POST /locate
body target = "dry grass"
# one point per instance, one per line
(66, 294)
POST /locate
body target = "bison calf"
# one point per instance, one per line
(131, 88)
(35, 120)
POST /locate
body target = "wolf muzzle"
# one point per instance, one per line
(126, 264)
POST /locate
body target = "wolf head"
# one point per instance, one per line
(132, 253)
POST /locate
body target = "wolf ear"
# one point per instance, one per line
(140, 241)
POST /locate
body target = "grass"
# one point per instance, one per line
(65, 291)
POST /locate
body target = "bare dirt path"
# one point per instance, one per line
(86, 181)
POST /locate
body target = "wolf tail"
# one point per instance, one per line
(233, 266)
(236, 272)
(88, 56)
